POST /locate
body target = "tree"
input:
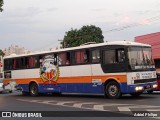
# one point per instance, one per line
(1, 4)
(1, 53)
(85, 34)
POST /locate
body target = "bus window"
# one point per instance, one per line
(64, 58)
(81, 57)
(120, 56)
(32, 62)
(14, 63)
(20, 63)
(7, 64)
(7, 74)
(109, 57)
(86, 56)
(95, 56)
(114, 56)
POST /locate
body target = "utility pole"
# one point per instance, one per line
(62, 43)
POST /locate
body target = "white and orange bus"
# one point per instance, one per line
(111, 68)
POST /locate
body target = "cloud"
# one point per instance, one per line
(23, 12)
(147, 12)
(19, 16)
(97, 10)
(52, 9)
(144, 22)
(125, 19)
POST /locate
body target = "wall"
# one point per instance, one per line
(152, 39)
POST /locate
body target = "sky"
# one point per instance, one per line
(39, 24)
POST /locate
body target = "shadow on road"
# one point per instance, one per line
(87, 96)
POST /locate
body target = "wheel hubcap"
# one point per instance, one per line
(33, 90)
(113, 90)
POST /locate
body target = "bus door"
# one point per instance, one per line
(114, 60)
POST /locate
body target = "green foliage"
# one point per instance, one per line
(1, 4)
(85, 34)
(1, 53)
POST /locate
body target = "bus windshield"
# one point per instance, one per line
(140, 58)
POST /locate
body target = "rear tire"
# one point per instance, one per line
(33, 89)
(112, 90)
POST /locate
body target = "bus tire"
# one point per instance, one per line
(33, 89)
(112, 90)
(137, 94)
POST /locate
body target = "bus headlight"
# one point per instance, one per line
(155, 86)
(138, 88)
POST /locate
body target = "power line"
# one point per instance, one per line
(153, 19)
(156, 18)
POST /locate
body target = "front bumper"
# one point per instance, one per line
(125, 89)
(142, 87)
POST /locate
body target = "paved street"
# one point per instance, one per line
(68, 104)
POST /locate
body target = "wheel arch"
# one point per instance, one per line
(33, 81)
(110, 80)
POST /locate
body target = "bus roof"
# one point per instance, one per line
(125, 43)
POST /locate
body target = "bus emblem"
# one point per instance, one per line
(49, 72)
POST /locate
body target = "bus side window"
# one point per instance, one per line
(41, 59)
(95, 56)
(20, 63)
(109, 57)
(120, 56)
(86, 56)
(64, 58)
(14, 63)
(6, 64)
(81, 56)
(33, 62)
(114, 56)
(26, 63)
(68, 61)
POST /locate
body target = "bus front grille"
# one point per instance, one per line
(145, 81)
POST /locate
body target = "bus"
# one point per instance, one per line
(111, 68)
(1, 74)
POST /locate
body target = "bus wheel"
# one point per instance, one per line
(150, 91)
(137, 94)
(33, 89)
(112, 90)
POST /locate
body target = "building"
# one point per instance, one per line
(154, 40)
(15, 49)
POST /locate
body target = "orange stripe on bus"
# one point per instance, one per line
(81, 79)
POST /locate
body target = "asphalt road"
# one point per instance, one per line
(93, 107)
